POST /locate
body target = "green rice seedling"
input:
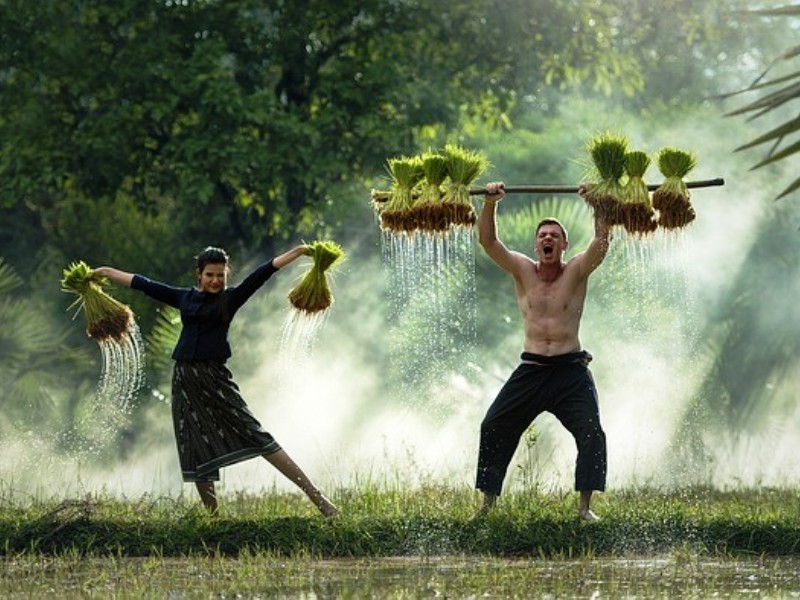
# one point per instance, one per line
(463, 167)
(671, 199)
(607, 151)
(638, 213)
(106, 317)
(406, 172)
(313, 293)
(428, 208)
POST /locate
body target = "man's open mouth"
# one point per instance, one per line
(548, 250)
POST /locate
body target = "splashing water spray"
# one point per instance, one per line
(311, 298)
(113, 326)
(426, 219)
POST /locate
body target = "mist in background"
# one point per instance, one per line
(341, 409)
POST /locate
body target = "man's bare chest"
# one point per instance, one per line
(544, 299)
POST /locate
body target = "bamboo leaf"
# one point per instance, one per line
(788, 151)
(792, 187)
(779, 132)
(779, 11)
(770, 101)
(760, 86)
(790, 53)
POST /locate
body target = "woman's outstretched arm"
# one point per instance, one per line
(289, 256)
(115, 275)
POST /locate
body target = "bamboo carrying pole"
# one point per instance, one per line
(572, 189)
(557, 189)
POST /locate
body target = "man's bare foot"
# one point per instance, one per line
(489, 501)
(587, 515)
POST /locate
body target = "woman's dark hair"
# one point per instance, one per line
(211, 255)
(215, 256)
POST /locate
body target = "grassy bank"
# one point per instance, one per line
(431, 521)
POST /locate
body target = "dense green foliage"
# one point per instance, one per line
(135, 117)
(248, 113)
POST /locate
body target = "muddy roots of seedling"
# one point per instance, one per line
(106, 317)
(113, 325)
(398, 221)
(674, 210)
(439, 217)
(431, 217)
(638, 218)
(607, 208)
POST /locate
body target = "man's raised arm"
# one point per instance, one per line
(487, 229)
(594, 254)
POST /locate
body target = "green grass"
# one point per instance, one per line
(430, 521)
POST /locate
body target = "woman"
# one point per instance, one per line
(214, 427)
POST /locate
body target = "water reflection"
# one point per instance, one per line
(530, 578)
(260, 576)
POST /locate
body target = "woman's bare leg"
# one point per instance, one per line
(583, 507)
(208, 495)
(283, 462)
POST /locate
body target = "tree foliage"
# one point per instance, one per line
(237, 119)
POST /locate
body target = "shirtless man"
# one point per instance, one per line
(554, 375)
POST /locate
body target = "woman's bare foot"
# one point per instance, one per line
(326, 507)
(587, 515)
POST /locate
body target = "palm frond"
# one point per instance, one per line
(32, 398)
(9, 280)
(24, 332)
(518, 227)
(162, 339)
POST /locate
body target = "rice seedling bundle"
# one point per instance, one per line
(463, 167)
(428, 210)
(313, 293)
(671, 199)
(406, 173)
(106, 317)
(607, 151)
(637, 211)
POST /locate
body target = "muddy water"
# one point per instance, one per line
(408, 577)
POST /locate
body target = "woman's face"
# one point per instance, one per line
(213, 278)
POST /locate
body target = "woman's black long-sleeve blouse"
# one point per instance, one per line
(206, 317)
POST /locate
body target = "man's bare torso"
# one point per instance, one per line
(551, 310)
